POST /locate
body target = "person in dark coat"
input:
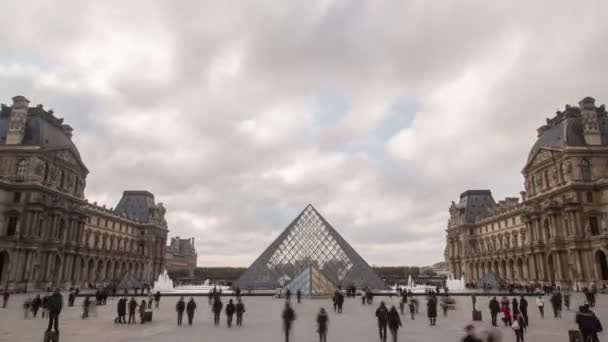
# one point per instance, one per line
(132, 309)
(588, 324)
(382, 317)
(157, 299)
(322, 325)
(288, 295)
(494, 310)
(556, 303)
(431, 309)
(240, 310)
(180, 307)
(190, 308)
(55, 304)
(230, 309)
(217, 310)
(515, 306)
(518, 327)
(299, 296)
(142, 310)
(523, 309)
(339, 301)
(36, 304)
(86, 303)
(394, 322)
(474, 301)
(288, 317)
(122, 310)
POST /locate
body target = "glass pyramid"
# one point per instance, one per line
(311, 282)
(309, 242)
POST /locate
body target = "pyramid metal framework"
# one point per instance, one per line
(309, 241)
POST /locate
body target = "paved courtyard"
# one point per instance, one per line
(262, 323)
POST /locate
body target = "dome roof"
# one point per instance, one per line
(42, 128)
(566, 129)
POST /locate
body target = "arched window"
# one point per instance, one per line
(586, 169)
(21, 166)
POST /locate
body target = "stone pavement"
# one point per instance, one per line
(262, 323)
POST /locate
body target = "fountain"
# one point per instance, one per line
(455, 285)
(163, 283)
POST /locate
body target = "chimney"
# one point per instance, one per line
(591, 127)
(16, 125)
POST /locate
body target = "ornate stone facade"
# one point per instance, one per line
(50, 236)
(181, 256)
(558, 233)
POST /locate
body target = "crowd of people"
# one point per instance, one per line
(513, 312)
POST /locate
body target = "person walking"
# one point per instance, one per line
(45, 303)
(122, 310)
(55, 304)
(431, 309)
(299, 296)
(86, 302)
(190, 308)
(322, 325)
(217, 310)
(515, 306)
(5, 297)
(473, 301)
(180, 307)
(518, 327)
(506, 315)
(523, 309)
(567, 300)
(230, 309)
(240, 310)
(288, 317)
(339, 301)
(27, 307)
(288, 295)
(142, 311)
(394, 322)
(588, 324)
(494, 310)
(402, 305)
(412, 308)
(132, 309)
(36, 304)
(540, 303)
(382, 317)
(157, 299)
(556, 303)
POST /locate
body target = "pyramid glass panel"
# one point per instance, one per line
(309, 242)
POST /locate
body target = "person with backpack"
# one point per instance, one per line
(588, 324)
(190, 308)
(230, 309)
(322, 325)
(288, 317)
(180, 307)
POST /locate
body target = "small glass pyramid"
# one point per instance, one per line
(309, 244)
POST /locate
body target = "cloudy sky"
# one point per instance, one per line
(237, 114)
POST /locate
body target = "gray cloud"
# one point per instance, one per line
(236, 115)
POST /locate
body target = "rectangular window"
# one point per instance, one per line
(589, 196)
(594, 225)
(11, 228)
(513, 220)
(17, 197)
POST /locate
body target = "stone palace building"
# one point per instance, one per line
(181, 256)
(558, 233)
(50, 235)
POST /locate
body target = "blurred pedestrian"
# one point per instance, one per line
(394, 322)
(382, 318)
(240, 310)
(288, 317)
(322, 325)
(190, 309)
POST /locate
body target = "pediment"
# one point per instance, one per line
(540, 156)
(71, 157)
